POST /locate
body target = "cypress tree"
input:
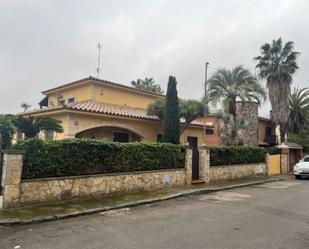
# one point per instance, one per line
(171, 113)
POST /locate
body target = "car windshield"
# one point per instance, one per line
(306, 159)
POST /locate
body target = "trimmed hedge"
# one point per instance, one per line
(228, 155)
(273, 150)
(87, 156)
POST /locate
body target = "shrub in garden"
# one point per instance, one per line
(87, 156)
(227, 155)
(273, 150)
(171, 113)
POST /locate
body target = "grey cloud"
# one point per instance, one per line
(47, 43)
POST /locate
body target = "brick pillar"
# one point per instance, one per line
(11, 177)
(188, 166)
(204, 165)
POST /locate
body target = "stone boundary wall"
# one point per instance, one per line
(64, 188)
(21, 192)
(229, 172)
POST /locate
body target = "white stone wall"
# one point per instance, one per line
(63, 188)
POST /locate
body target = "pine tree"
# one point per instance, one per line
(171, 113)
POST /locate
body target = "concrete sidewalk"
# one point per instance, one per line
(59, 210)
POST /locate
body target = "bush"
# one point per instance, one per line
(86, 156)
(228, 155)
(273, 150)
(302, 138)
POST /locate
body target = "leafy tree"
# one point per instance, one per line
(299, 109)
(171, 113)
(230, 86)
(277, 64)
(6, 131)
(156, 108)
(189, 110)
(148, 84)
(25, 106)
(31, 127)
(301, 138)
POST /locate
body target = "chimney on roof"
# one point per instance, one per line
(271, 115)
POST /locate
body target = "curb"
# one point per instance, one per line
(10, 222)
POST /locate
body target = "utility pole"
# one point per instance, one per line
(206, 68)
(205, 104)
(99, 60)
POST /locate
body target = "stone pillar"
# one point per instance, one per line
(204, 164)
(267, 164)
(284, 164)
(286, 152)
(188, 166)
(249, 111)
(11, 177)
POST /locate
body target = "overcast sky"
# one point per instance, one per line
(44, 44)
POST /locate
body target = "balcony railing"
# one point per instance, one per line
(272, 139)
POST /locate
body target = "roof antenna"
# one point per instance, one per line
(98, 69)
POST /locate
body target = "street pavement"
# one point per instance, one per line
(271, 215)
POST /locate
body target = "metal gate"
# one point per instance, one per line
(274, 165)
(193, 143)
(195, 164)
(1, 163)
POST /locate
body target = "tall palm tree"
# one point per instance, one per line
(230, 86)
(31, 127)
(148, 84)
(277, 64)
(299, 109)
(25, 106)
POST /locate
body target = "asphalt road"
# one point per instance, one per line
(272, 215)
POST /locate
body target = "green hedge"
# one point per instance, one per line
(273, 150)
(86, 156)
(228, 155)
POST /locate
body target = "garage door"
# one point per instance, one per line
(273, 166)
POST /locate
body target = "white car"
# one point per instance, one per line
(302, 168)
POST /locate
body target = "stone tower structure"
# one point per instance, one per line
(249, 111)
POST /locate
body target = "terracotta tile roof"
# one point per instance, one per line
(109, 109)
(45, 109)
(290, 145)
(97, 107)
(102, 82)
(200, 121)
(104, 108)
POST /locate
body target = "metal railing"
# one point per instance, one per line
(271, 139)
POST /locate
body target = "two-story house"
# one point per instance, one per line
(93, 108)
(99, 109)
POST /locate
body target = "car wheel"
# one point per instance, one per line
(297, 176)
